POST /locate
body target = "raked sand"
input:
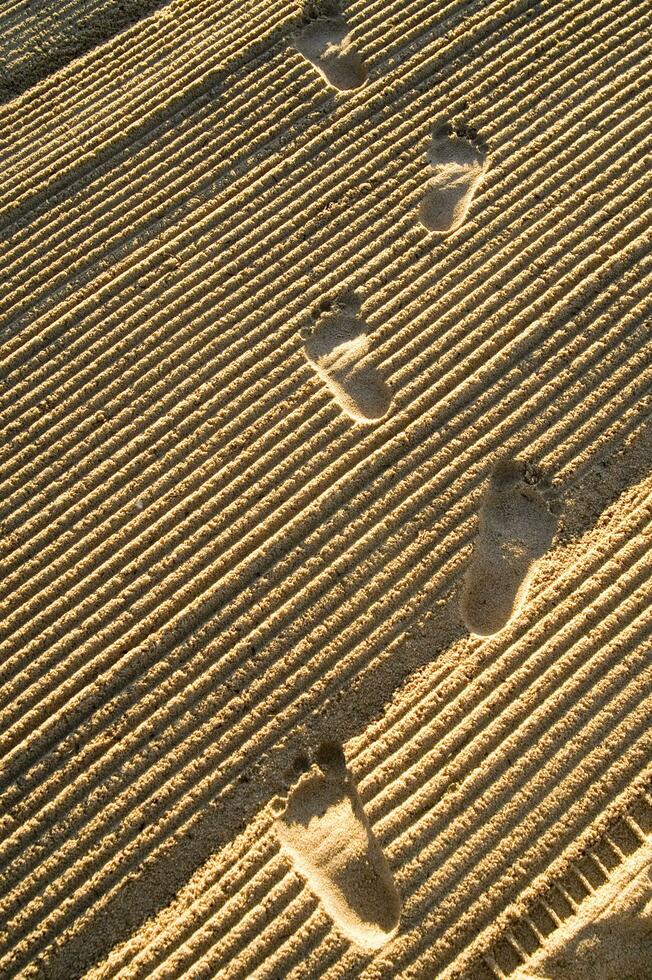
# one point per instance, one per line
(326, 504)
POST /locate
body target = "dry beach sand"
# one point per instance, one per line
(610, 936)
(326, 505)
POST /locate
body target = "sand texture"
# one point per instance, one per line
(326, 489)
(610, 937)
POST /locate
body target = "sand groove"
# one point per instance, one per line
(208, 565)
(620, 853)
(604, 562)
(34, 43)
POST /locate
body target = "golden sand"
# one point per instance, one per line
(325, 377)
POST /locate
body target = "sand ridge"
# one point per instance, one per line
(210, 566)
(221, 926)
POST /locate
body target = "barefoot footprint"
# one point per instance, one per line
(516, 528)
(325, 43)
(325, 832)
(337, 349)
(458, 166)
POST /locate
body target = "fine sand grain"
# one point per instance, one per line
(326, 489)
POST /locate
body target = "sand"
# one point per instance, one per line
(610, 935)
(326, 505)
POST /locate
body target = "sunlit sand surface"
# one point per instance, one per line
(325, 376)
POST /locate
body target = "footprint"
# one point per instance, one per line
(337, 349)
(325, 832)
(458, 165)
(516, 528)
(325, 43)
